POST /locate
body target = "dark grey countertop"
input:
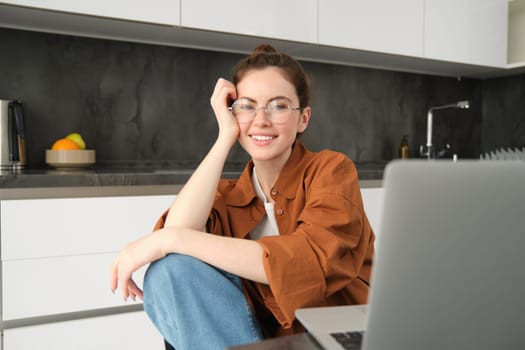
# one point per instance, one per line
(132, 175)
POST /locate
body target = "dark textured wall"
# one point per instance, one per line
(503, 113)
(137, 102)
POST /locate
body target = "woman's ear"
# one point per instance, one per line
(304, 119)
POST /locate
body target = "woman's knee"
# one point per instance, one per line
(166, 280)
(171, 270)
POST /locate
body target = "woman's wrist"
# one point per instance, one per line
(165, 238)
(228, 137)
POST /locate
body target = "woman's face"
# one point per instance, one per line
(262, 139)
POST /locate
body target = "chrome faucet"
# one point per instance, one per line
(428, 150)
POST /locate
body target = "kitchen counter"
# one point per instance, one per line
(128, 179)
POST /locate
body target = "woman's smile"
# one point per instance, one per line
(262, 139)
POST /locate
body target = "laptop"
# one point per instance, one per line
(450, 270)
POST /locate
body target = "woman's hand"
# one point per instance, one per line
(223, 94)
(135, 255)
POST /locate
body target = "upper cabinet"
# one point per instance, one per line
(439, 37)
(463, 31)
(516, 34)
(152, 11)
(394, 27)
(294, 20)
(466, 31)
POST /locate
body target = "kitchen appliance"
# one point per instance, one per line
(12, 135)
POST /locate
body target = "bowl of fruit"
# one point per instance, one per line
(70, 152)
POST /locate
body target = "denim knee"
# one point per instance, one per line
(166, 282)
(189, 302)
(165, 268)
(179, 270)
(164, 274)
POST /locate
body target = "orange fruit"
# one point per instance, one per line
(65, 144)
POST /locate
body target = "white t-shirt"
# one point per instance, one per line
(268, 225)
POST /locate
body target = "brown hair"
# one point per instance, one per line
(266, 56)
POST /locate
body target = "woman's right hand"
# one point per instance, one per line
(223, 94)
(135, 255)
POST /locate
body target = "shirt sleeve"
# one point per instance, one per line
(326, 250)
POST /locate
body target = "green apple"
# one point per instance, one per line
(75, 137)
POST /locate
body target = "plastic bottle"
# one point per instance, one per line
(403, 148)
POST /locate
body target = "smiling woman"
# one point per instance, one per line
(232, 260)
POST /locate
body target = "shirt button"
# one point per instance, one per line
(280, 212)
(274, 192)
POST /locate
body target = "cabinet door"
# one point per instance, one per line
(294, 20)
(382, 26)
(64, 247)
(515, 42)
(130, 331)
(60, 285)
(39, 228)
(373, 203)
(153, 11)
(467, 31)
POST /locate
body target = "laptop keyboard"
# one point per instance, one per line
(349, 340)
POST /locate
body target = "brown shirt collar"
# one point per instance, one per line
(243, 193)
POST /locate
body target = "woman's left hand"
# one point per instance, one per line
(135, 255)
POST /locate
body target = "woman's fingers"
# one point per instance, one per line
(134, 256)
(121, 277)
(134, 290)
(113, 278)
(223, 95)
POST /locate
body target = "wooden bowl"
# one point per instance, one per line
(70, 158)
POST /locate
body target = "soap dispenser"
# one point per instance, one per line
(403, 148)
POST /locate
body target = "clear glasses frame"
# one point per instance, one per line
(277, 111)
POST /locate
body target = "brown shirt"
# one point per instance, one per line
(323, 255)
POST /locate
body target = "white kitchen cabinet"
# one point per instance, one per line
(152, 11)
(290, 20)
(516, 33)
(64, 284)
(394, 27)
(445, 38)
(467, 31)
(130, 331)
(373, 203)
(56, 256)
(472, 32)
(75, 226)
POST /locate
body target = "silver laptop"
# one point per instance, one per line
(450, 270)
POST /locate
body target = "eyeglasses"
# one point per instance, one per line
(277, 111)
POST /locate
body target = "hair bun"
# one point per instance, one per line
(264, 49)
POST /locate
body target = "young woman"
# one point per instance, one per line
(291, 232)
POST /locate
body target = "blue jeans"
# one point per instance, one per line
(196, 306)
